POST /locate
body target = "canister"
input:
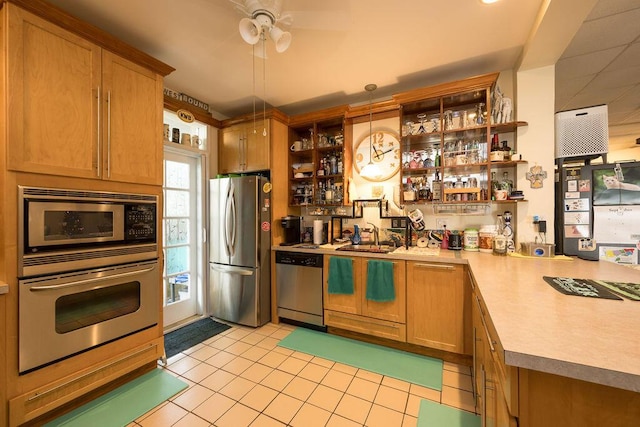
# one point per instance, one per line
(470, 239)
(485, 238)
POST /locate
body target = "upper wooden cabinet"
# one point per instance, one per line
(244, 147)
(78, 110)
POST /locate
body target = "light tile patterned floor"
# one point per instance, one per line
(241, 378)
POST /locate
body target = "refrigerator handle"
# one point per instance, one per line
(227, 209)
(234, 214)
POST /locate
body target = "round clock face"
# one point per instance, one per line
(385, 153)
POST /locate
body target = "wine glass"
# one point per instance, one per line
(422, 117)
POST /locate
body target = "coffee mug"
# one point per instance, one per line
(297, 146)
(167, 132)
(186, 139)
(195, 141)
(501, 194)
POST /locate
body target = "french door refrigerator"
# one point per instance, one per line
(239, 248)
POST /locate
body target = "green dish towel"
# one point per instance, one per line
(380, 281)
(340, 276)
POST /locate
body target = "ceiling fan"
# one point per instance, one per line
(262, 17)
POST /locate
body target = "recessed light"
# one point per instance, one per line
(489, 1)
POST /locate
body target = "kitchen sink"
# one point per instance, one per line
(380, 249)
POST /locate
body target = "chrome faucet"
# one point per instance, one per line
(376, 234)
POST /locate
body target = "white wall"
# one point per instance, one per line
(535, 105)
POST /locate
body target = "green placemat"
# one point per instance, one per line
(123, 405)
(434, 414)
(414, 368)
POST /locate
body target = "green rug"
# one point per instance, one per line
(123, 405)
(393, 363)
(434, 414)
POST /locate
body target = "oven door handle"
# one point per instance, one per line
(87, 281)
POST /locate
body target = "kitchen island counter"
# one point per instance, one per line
(540, 329)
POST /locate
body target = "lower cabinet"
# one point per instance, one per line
(495, 383)
(436, 301)
(356, 313)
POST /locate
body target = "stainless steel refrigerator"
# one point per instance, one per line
(239, 249)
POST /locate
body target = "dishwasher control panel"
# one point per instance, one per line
(299, 258)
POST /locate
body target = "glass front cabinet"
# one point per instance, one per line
(449, 143)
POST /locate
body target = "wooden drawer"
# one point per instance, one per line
(366, 325)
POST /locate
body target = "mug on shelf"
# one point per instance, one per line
(186, 139)
(296, 146)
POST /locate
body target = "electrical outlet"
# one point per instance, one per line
(442, 223)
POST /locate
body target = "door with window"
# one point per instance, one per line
(182, 236)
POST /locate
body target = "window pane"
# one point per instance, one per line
(177, 174)
(177, 203)
(177, 231)
(177, 259)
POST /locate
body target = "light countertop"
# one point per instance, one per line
(541, 329)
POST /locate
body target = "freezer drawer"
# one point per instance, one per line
(234, 295)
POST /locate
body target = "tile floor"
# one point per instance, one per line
(241, 378)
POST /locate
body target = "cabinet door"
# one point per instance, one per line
(132, 122)
(395, 310)
(257, 146)
(435, 305)
(339, 302)
(53, 80)
(229, 154)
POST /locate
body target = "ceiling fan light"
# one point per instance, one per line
(282, 39)
(250, 30)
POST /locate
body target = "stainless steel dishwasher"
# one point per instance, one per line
(299, 287)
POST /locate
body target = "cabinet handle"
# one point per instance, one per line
(99, 145)
(483, 416)
(438, 266)
(492, 343)
(109, 134)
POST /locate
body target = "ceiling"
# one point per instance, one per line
(341, 45)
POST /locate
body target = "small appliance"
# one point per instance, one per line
(291, 226)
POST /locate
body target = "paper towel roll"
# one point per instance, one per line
(317, 231)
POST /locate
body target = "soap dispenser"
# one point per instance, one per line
(355, 239)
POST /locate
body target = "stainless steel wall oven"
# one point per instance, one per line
(88, 271)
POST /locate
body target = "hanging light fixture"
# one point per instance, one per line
(263, 22)
(370, 170)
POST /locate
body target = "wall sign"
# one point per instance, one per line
(186, 98)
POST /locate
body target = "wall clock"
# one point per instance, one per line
(385, 154)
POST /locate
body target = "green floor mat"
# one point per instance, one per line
(434, 414)
(124, 404)
(414, 368)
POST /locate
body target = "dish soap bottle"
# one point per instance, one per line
(355, 239)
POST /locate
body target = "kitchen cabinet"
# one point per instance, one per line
(78, 110)
(320, 158)
(245, 147)
(495, 383)
(506, 132)
(437, 305)
(445, 141)
(356, 313)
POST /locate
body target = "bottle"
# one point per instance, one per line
(321, 168)
(506, 184)
(424, 192)
(436, 187)
(495, 185)
(409, 192)
(445, 238)
(333, 164)
(499, 241)
(496, 154)
(340, 164)
(507, 231)
(506, 151)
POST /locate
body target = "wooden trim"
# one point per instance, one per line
(319, 115)
(92, 33)
(175, 105)
(465, 85)
(270, 114)
(388, 106)
(391, 114)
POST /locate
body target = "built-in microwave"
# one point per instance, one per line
(65, 230)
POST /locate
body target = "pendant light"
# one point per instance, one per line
(370, 170)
